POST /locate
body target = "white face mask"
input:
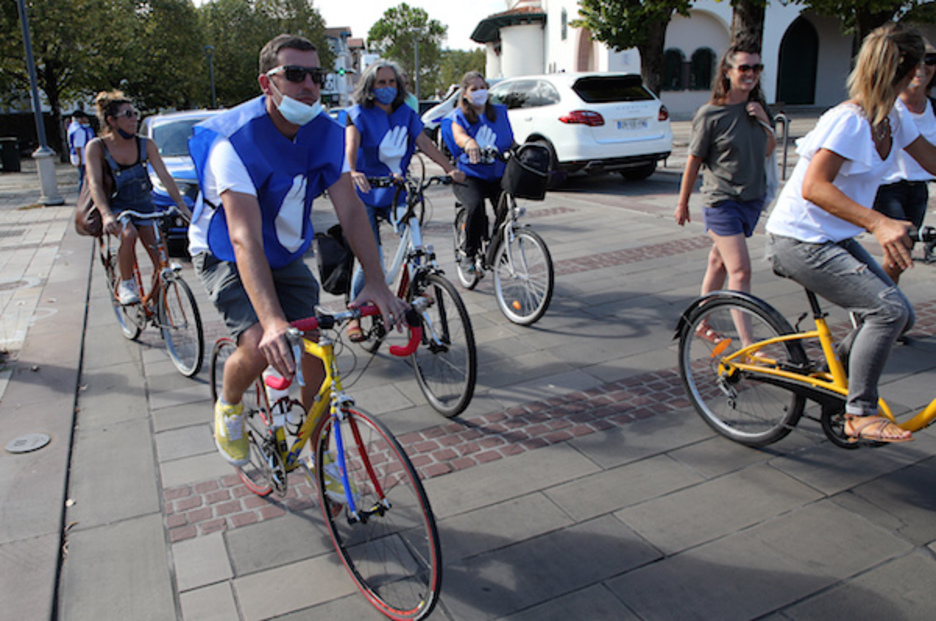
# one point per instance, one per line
(479, 97)
(295, 111)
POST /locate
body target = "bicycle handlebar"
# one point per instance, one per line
(153, 215)
(924, 234)
(328, 321)
(389, 182)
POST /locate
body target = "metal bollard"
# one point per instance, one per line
(785, 120)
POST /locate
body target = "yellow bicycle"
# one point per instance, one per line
(751, 382)
(380, 520)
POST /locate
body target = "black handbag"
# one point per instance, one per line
(335, 261)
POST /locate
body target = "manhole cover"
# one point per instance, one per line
(27, 443)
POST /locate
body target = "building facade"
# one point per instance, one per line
(806, 58)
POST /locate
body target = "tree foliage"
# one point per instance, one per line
(623, 24)
(859, 17)
(394, 36)
(154, 50)
(456, 63)
(237, 29)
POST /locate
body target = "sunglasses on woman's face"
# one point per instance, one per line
(929, 60)
(297, 74)
(748, 68)
(128, 114)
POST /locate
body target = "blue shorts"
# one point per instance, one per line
(733, 217)
(296, 288)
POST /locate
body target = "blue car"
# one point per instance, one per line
(170, 132)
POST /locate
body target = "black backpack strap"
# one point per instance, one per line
(141, 145)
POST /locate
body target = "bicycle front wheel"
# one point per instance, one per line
(391, 546)
(523, 277)
(130, 318)
(181, 326)
(446, 362)
(256, 474)
(739, 404)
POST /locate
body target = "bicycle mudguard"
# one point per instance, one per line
(687, 315)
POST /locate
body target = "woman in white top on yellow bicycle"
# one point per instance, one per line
(826, 203)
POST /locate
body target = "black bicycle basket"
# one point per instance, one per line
(527, 172)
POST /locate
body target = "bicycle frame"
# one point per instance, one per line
(163, 271)
(822, 387)
(330, 396)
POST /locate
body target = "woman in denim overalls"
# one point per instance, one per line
(124, 155)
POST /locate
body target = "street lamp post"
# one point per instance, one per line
(45, 164)
(209, 52)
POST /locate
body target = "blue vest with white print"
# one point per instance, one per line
(287, 175)
(504, 139)
(373, 124)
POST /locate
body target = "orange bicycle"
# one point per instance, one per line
(168, 304)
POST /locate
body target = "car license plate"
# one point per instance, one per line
(631, 124)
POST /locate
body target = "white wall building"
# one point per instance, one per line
(806, 57)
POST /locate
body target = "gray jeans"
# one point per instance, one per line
(845, 274)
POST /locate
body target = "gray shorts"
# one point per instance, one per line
(296, 288)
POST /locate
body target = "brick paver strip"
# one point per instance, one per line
(200, 509)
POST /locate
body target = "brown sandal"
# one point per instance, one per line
(354, 332)
(873, 428)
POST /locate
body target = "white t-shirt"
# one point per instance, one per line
(225, 171)
(844, 130)
(905, 167)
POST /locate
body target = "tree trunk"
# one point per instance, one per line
(651, 56)
(747, 21)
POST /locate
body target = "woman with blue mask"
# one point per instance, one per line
(381, 136)
(474, 126)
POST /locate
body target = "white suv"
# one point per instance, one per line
(591, 122)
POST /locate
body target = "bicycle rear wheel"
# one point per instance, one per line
(466, 274)
(181, 326)
(130, 317)
(446, 362)
(523, 277)
(392, 548)
(739, 405)
(256, 474)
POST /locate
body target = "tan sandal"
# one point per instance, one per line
(873, 428)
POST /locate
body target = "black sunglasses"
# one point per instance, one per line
(746, 68)
(930, 59)
(297, 74)
(129, 114)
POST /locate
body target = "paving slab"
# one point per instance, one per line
(504, 581)
(102, 580)
(762, 569)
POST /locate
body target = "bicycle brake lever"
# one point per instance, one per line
(295, 340)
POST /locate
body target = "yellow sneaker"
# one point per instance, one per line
(229, 433)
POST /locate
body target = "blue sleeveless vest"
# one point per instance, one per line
(287, 174)
(501, 128)
(373, 124)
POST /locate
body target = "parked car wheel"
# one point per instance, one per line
(639, 173)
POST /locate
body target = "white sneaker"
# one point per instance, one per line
(127, 292)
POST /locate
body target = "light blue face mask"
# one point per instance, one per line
(385, 94)
(295, 111)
